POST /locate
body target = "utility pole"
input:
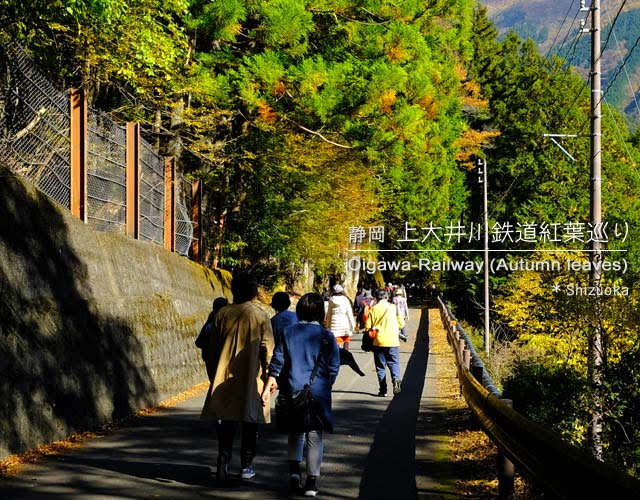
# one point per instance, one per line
(596, 351)
(482, 173)
(595, 341)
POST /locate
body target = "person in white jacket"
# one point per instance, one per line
(339, 319)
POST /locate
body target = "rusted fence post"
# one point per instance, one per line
(170, 204)
(78, 127)
(133, 180)
(196, 218)
(506, 470)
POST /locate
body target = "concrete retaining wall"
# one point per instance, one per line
(93, 326)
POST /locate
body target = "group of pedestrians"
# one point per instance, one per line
(249, 356)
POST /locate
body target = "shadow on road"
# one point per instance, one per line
(172, 454)
(390, 470)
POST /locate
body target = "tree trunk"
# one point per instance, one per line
(217, 252)
(157, 128)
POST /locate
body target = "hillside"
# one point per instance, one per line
(541, 21)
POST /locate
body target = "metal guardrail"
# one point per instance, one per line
(563, 470)
(476, 361)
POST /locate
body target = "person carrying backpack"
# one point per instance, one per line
(386, 322)
(366, 303)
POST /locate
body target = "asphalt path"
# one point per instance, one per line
(383, 448)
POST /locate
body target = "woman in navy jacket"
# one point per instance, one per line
(292, 363)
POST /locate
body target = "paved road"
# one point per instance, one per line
(374, 453)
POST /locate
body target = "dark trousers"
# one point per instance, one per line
(226, 431)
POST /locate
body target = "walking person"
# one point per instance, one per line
(386, 321)
(326, 297)
(403, 310)
(357, 301)
(339, 319)
(283, 317)
(204, 341)
(362, 312)
(303, 345)
(241, 347)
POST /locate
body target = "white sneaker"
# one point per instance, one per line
(248, 473)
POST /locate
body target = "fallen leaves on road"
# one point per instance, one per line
(473, 455)
(171, 402)
(11, 465)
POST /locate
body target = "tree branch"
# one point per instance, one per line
(321, 136)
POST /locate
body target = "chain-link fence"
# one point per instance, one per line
(151, 194)
(184, 224)
(34, 128)
(106, 173)
(35, 143)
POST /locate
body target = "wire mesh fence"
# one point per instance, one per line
(106, 173)
(34, 128)
(151, 194)
(35, 143)
(184, 224)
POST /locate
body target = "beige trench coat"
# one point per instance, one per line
(242, 349)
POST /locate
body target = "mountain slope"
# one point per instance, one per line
(542, 21)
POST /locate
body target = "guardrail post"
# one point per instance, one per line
(196, 217)
(78, 121)
(461, 345)
(477, 371)
(170, 204)
(133, 180)
(506, 469)
(466, 358)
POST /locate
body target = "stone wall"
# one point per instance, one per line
(93, 326)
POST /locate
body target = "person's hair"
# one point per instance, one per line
(244, 287)
(381, 294)
(218, 304)
(310, 308)
(280, 301)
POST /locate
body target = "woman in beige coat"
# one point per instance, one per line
(242, 345)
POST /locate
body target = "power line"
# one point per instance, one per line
(615, 37)
(615, 20)
(624, 143)
(566, 73)
(620, 68)
(624, 62)
(567, 34)
(566, 115)
(560, 30)
(574, 46)
(615, 77)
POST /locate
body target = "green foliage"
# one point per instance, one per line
(531, 180)
(380, 83)
(286, 25)
(552, 395)
(622, 400)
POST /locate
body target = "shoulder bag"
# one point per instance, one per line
(301, 412)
